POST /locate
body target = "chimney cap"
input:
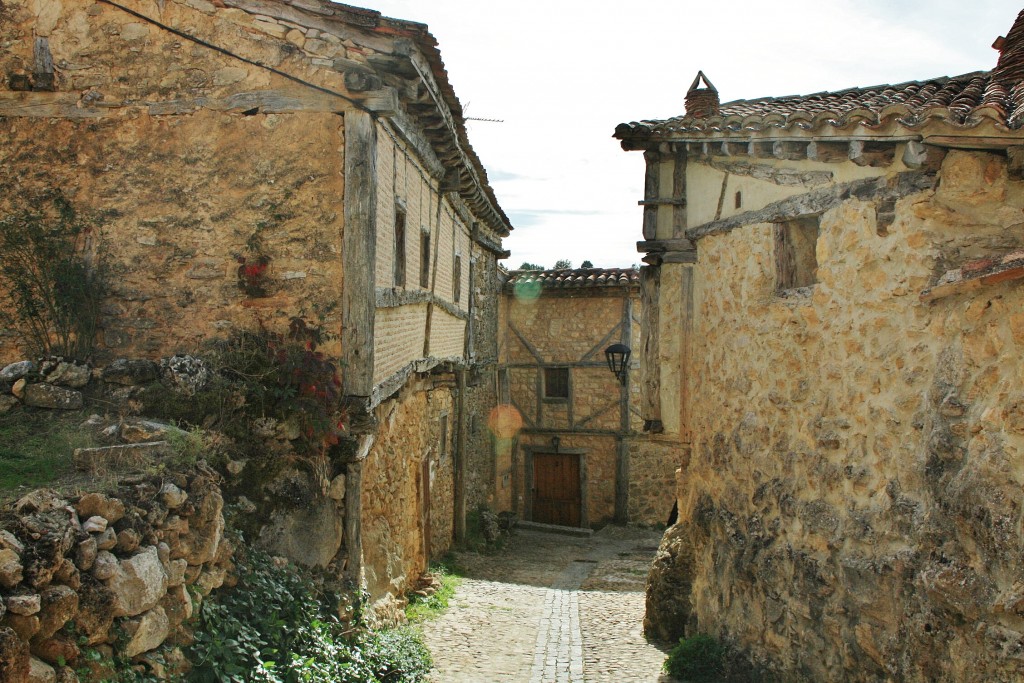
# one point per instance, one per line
(701, 102)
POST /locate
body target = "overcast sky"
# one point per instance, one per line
(561, 74)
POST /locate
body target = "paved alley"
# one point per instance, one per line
(550, 609)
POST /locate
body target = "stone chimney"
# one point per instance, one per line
(701, 102)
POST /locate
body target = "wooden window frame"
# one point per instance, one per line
(399, 269)
(796, 264)
(550, 385)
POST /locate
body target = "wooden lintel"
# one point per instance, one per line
(680, 257)
(661, 202)
(828, 152)
(974, 142)
(661, 246)
(874, 154)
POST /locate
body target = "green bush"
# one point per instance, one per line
(697, 659)
(53, 287)
(275, 626)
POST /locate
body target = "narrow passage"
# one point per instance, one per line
(550, 609)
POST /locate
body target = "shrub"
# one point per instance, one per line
(52, 288)
(276, 626)
(697, 659)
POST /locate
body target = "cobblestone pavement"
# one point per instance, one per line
(550, 609)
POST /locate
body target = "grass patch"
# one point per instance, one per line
(36, 447)
(423, 608)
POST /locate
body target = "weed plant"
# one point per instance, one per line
(424, 608)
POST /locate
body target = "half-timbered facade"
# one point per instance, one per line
(572, 462)
(253, 161)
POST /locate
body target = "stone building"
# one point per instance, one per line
(838, 338)
(581, 457)
(251, 161)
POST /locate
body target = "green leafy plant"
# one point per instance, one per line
(697, 659)
(276, 626)
(52, 287)
(422, 608)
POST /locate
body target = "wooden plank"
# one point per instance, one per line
(359, 253)
(650, 369)
(42, 70)
(679, 191)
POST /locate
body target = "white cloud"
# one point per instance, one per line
(563, 73)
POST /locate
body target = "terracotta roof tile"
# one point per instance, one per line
(578, 278)
(961, 101)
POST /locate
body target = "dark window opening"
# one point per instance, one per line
(556, 382)
(424, 259)
(739, 199)
(796, 261)
(457, 279)
(399, 248)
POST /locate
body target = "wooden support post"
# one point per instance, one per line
(359, 254)
(679, 193)
(828, 152)
(875, 154)
(459, 458)
(652, 184)
(621, 440)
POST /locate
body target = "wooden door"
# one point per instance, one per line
(556, 489)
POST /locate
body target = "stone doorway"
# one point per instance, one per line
(557, 489)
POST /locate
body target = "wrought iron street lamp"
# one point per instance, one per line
(618, 360)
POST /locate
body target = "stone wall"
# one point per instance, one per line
(182, 194)
(851, 508)
(394, 513)
(653, 462)
(117, 574)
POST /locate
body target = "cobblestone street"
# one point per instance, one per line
(550, 609)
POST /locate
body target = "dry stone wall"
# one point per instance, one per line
(852, 506)
(116, 574)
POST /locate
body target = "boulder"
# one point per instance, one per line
(66, 374)
(40, 672)
(172, 496)
(85, 555)
(127, 541)
(177, 605)
(97, 504)
(11, 570)
(59, 605)
(95, 611)
(105, 565)
(40, 500)
(206, 524)
(14, 657)
(15, 371)
(107, 540)
(53, 397)
(138, 584)
(150, 631)
(25, 627)
(25, 605)
(309, 536)
(130, 372)
(95, 525)
(187, 374)
(56, 650)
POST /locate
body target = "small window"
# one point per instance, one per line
(424, 259)
(796, 261)
(739, 199)
(556, 382)
(399, 274)
(457, 279)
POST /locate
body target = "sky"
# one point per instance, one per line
(561, 74)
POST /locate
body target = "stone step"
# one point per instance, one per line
(580, 532)
(120, 457)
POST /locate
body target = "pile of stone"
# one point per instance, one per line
(108, 573)
(58, 383)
